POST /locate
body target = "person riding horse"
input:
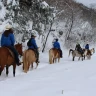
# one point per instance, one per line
(8, 40)
(32, 45)
(87, 46)
(56, 45)
(79, 49)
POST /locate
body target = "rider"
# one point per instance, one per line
(87, 46)
(56, 45)
(33, 46)
(78, 48)
(8, 40)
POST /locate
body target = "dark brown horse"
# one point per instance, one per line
(7, 58)
(54, 54)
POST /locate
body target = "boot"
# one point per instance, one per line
(18, 63)
(61, 56)
(37, 61)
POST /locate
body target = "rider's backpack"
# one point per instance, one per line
(29, 42)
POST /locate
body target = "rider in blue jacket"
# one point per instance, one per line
(56, 45)
(8, 40)
(34, 46)
(87, 46)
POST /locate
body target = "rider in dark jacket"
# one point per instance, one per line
(34, 46)
(78, 48)
(8, 40)
(56, 45)
(87, 46)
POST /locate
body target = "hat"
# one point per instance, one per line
(33, 35)
(8, 27)
(56, 39)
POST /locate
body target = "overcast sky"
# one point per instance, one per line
(87, 2)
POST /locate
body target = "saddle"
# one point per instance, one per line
(11, 52)
(34, 51)
(58, 51)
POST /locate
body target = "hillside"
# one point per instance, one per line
(77, 20)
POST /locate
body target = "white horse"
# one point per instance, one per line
(75, 53)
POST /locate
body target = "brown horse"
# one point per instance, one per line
(87, 53)
(54, 54)
(29, 57)
(92, 50)
(7, 58)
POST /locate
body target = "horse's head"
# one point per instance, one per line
(19, 48)
(93, 50)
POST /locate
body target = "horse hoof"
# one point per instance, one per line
(25, 71)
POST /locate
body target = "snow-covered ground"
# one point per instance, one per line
(67, 78)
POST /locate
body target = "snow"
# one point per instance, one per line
(2, 11)
(44, 5)
(66, 78)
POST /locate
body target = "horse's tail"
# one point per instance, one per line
(25, 62)
(70, 51)
(50, 56)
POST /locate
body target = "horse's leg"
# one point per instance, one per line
(78, 58)
(58, 60)
(7, 70)
(84, 57)
(1, 69)
(23, 66)
(32, 65)
(28, 65)
(14, 67)
(36, 65)
(53, 60)
(73, 58)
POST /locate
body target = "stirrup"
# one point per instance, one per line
(18, 64)
(37, 61)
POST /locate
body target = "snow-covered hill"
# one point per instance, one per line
(66, 78)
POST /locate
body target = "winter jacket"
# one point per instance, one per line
(87, 46)
(33, 44)
(78, 48)
(7, 41)
(56, 45)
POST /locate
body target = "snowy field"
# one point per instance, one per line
(67, 78)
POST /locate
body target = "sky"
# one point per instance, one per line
(87, 2)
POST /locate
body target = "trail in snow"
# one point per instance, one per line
(75, 78)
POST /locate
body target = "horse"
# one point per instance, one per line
(87, 53)
(54, 54)
(7, 58)
(92, 51)
(29, 57)
(75, 53)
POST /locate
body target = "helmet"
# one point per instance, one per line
(8, 27)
